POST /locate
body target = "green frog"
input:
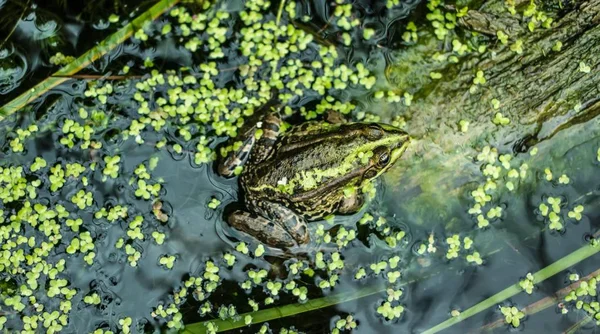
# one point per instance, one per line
(306, 173)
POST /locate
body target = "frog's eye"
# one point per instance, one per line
(374, 132)
(383, 156)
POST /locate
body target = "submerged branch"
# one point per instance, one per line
(544, 303)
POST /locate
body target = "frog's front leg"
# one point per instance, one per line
(236, 158)
(267, 130)
(351, 204)
(271, 128)
(276, 225)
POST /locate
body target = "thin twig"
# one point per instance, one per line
(16, 24)
(98, 77)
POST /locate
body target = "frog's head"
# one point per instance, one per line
(387, 143)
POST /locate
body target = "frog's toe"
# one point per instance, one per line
(228, 165)
(227, 168)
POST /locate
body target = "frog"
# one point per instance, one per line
(307, 172)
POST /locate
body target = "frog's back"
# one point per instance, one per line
(308, 168)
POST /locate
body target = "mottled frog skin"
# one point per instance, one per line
(292, 177)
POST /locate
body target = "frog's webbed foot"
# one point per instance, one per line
(351, 204)
(281, 228)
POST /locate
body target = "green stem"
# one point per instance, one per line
(85, 59)
(544, 303)
(283, 311)
(280, 12)
(577, 326)
(551, 270)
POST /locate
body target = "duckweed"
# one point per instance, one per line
(93, 299)
(454, 246)
(242, 248)
(214, 203)
(344, 324)
(517, 46)
(512, 315)
(557, 46)
(390, 312)
(475, 257)
(112, 166)
(583, 68)
(576, 213)
(527, 284)
(499, 119)
(259, 251)
(82, 199)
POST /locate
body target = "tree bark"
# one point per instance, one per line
(534, 88)
(543, 92)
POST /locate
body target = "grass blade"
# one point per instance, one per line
(577, 326)
(283, 311)
(551, 270)
(544, 303)
(85, 59)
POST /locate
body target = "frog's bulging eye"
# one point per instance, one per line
(383, 156)
(374, 132)
(384, 159)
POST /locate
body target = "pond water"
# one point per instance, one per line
(113, 218)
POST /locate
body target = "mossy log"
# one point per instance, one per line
(543, 92)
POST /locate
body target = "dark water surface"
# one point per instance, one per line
(517, 243)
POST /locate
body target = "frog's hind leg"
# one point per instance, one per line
(274, 225)
(294, 224)
(261, 228)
